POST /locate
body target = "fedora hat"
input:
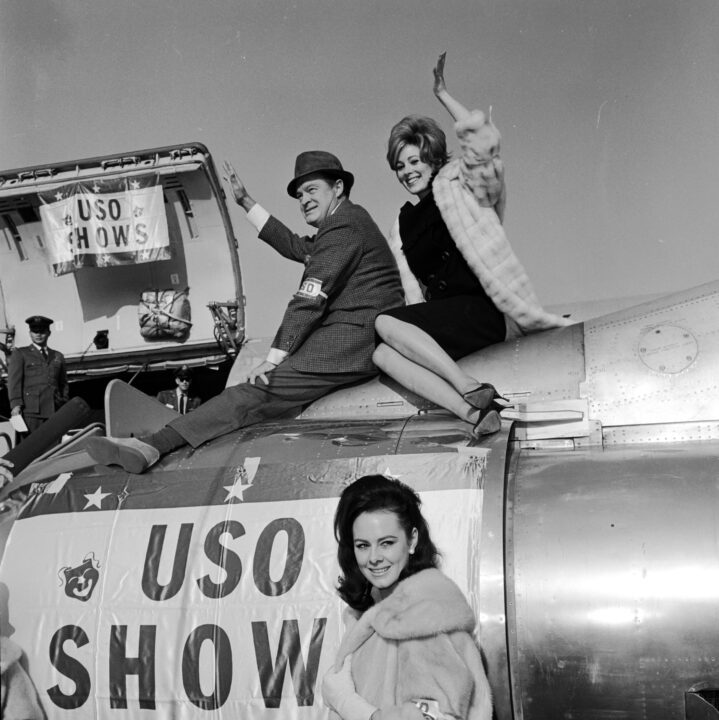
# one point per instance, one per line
(319, 161)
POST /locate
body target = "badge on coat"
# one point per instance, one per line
(311, 288)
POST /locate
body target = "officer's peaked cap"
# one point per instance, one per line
(39, 322)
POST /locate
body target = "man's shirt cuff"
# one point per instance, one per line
(258, 216)
(275, 355)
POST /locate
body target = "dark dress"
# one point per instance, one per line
(458, 313)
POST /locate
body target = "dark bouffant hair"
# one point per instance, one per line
(369, 494)
(424, 133)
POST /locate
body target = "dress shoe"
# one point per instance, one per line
(482, 396)
(489, 422)
(131, 454)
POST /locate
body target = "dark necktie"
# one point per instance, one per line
(43, 350)
(183, 404)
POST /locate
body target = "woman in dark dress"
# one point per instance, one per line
(473, 291)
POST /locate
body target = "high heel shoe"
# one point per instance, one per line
(483, 396)
(489, 422)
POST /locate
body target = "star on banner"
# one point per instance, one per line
(58, 195)
(244, 475)
(135, 185)
(96, 498)
(95, 188)
(236, 490)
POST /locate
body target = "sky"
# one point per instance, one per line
(608, 109)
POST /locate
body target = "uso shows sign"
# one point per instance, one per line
(184, 597)
(111, 222)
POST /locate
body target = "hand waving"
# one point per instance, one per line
(439, 84)
(231, 178)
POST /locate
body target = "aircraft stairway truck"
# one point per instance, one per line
(134, 258)
(585, 534)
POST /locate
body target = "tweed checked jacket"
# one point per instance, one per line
(350, 276)
(39, 386)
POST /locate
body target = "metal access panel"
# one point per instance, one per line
(655, 363)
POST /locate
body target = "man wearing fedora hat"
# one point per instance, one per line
(326, 338)
(179, 398)
(37, 381)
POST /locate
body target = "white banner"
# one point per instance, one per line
(226, 610)
(82, 227)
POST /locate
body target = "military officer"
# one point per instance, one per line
(179, 398)
(37, 381)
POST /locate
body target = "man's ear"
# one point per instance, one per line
(339, 188)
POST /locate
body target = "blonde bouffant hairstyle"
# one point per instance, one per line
(423, 132)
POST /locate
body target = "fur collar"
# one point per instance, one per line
(480, 237)
(425, 604)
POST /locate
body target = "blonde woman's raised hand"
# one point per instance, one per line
(453, 107)
(439, 84)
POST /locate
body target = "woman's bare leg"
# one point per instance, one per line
(421, 349)
(423, 382)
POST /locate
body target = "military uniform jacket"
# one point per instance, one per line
(170, 399)
(350, 276)
(38, 385)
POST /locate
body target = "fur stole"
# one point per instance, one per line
(424, 604)
(481, 239)
(417, 643)
(471, 200)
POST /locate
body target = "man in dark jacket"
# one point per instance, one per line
(326, 338)
(37, 382)
(179, 398)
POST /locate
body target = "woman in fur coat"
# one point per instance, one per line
(464, 287)
(408, 652)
